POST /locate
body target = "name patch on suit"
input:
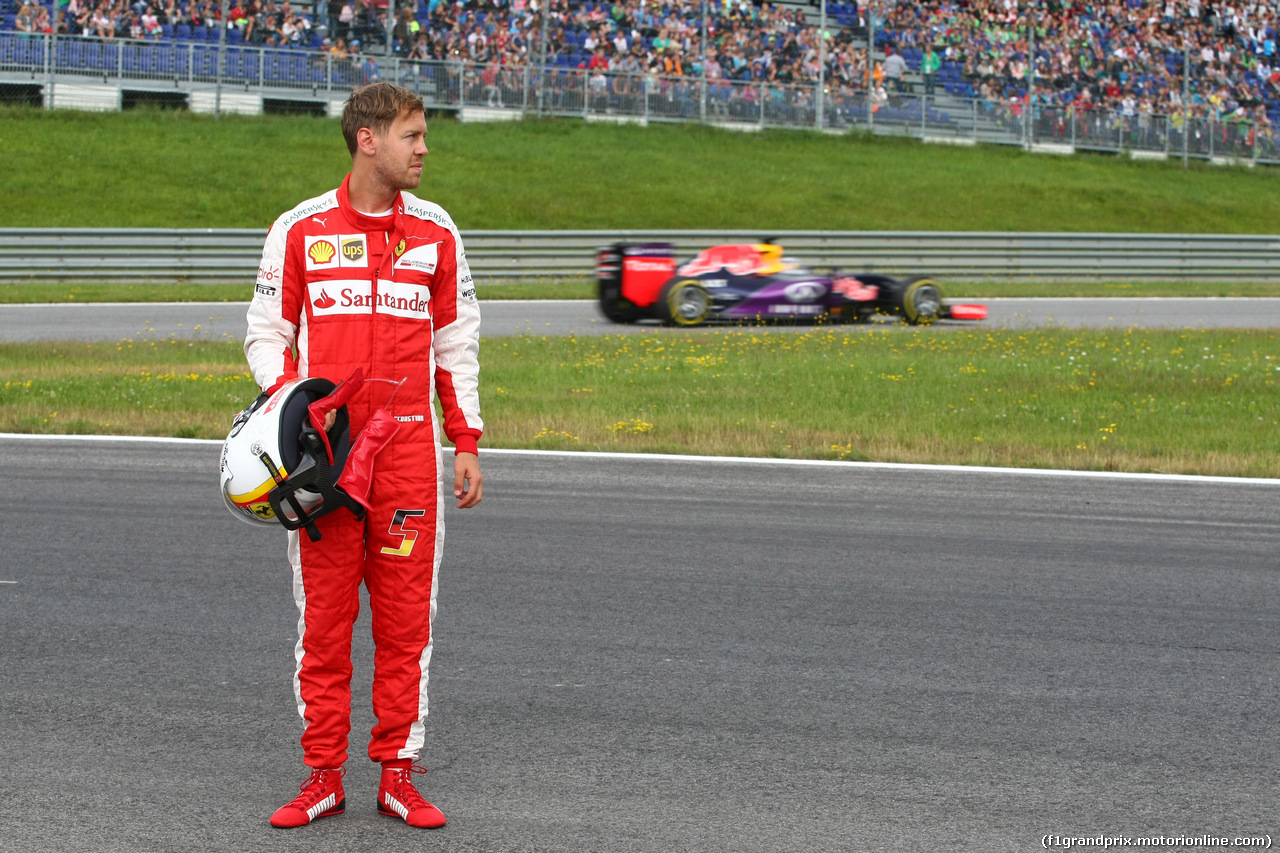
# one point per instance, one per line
(421, 258)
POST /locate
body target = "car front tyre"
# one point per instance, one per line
(921, 301)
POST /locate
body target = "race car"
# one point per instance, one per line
(754, 282)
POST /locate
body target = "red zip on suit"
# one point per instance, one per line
(393, 294)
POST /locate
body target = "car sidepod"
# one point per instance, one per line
(793, 295)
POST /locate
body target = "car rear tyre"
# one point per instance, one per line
(618, 309)
(685, 303)
(921, 301)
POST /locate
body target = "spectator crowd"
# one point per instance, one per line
(1122, 55)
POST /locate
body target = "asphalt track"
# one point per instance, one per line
(639, 654)
(226, 321)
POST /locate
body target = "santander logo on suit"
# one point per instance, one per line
(357, 296)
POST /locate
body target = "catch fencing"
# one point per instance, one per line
(195, 72)
(212, 255)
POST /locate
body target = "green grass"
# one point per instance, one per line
(170, 169)
(1197, 402)
(165, 388)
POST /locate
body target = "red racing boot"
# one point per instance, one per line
(320, 796)
(397, 797)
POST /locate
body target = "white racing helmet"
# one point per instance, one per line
(275, 466)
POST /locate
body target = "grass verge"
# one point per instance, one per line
(1191, 402)
(76, 169)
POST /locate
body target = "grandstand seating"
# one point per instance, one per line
(176, 51)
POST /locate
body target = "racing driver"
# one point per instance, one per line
(368, 276)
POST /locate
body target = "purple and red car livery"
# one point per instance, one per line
(756, 282)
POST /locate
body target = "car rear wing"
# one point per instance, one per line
(635, 272)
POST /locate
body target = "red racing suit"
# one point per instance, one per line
(336, 290)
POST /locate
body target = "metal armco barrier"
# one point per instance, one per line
(233, 254)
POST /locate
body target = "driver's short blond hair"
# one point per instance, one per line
(376, 106)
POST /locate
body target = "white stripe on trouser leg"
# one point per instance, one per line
(418, 729)
(322, 806)
(300, 599)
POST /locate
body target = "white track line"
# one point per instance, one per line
(735, 460)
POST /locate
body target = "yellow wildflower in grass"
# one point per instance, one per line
(551, 433)
(635, 426)
(843, 451)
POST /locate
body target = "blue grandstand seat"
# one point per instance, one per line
(182, 32)
(200, 32)
(99, 56)
(173, 59)
(70, 55)
(235, 36)
(281, 68)
(241, 64)
(85, 55)
(166, 31)
(204, 61)
(250, 65)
